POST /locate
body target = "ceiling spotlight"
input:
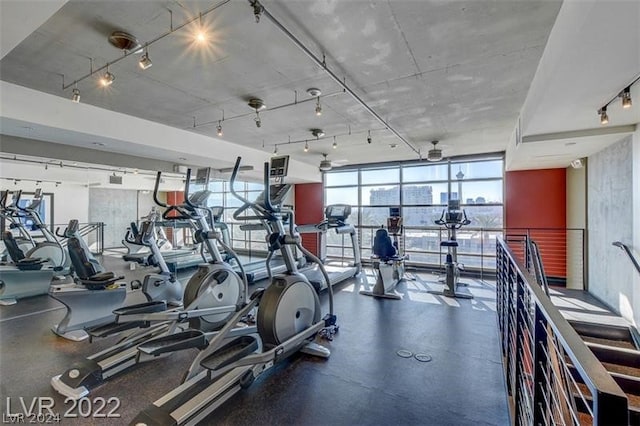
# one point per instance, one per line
(604, 118)
(201, 36)
(258, 105)
(318, 107)
(318, 133)
(145, 62)
(275, 150)
(107, 79)
(393, 145)
(435, 153)
(369, 137)
(335, 144)
(306, 146)
(626, 97)
(75, 97)
(135, 171)
(219, 128)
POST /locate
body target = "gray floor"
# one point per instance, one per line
(364, 382)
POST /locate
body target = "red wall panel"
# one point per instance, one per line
(309, 202)
(536, 200)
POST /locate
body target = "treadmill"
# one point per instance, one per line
(336, 216)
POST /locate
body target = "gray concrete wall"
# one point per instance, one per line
(610, 218)
(636, 224)
(117, 208)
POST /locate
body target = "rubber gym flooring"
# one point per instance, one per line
(364, 382)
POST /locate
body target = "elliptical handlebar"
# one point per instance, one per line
(182, 214)
(267, 190)
(155, 191)
(442, 221)
(232, 182)
(262, 212)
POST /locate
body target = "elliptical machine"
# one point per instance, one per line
(288, 320)
(212, 296)
(452, 218)
(136, 251)
(388, 259)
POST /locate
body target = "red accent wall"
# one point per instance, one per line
(173, 198)
(309, 202)
(536, 200)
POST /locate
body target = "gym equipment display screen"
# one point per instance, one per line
(279, 166)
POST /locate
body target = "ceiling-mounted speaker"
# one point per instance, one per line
(115, 180)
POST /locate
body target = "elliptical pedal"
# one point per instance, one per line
(233, 351)
(114, 328)
(174, 342)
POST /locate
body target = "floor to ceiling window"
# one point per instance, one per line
(422, 191)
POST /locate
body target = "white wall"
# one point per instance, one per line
(576, 219)
(612, 195)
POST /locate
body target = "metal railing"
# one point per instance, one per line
(627, 250)
(552, 376)
(563, 249)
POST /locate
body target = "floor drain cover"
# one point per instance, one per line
(404, 353)
(423, 357)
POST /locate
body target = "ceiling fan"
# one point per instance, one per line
(435, 153)
(326, 164)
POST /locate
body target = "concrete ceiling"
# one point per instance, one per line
(456, 71)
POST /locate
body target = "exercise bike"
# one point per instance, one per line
(93, 296)
(452, 218)
(388, 259)
(211, 297)
(288, 320)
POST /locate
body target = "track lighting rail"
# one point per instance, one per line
(624, 94)
(259, 8)
(147, 44)
(275, 108)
